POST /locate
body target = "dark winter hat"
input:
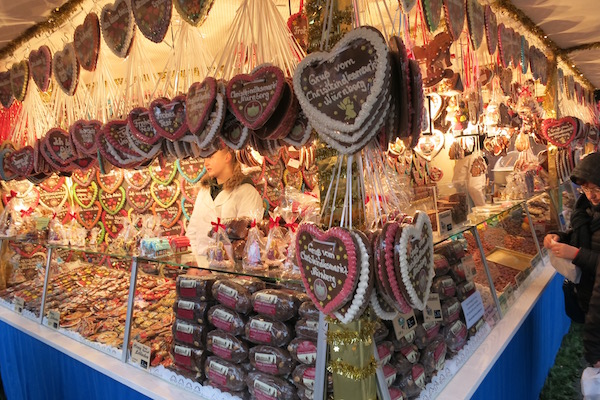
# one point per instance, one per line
(588, 170)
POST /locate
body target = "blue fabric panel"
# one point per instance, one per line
(32, 370)
(521, 370)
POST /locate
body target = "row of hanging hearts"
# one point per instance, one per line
(260, 109)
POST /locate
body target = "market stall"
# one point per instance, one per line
(406, 159)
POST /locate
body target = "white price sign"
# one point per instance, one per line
(140, 354)
(19, 304)
(54, 319)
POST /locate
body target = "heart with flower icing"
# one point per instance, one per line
(20, 162)
(191, 169)
(137, 179)
(118, 27)
(65, 68)
(83, 134)
(328, 265)
(113, 202)
(164, 195)
(168, 216)
(54, 200)
(169, 117)
(163, 174)
(84, 177)
(560, 132)
(114, 224)
(19, 79)
(90, 216)
(194, 12)
(111, 181)
(59, 145)
(152, 17)
(40, 63)
(86, 41)
(85, 196)
(140, 200)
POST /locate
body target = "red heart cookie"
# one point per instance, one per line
(140, 200)
(152, 17)
(19, 79)
(168, 117)
(86, 41)
(168, 216)
(164, 195)
(6, 94)
(84, 177)
(114, 224)
(560, 132)
(89, 217)
(65, 68)
(118, 28)
(253, 98)
(85, 196)
(141, 127)
(111, 181)
(298, 25)
(40, 63)
(58, 143)
(163, 174)
(194, 12)
(191, 169)
(200, 102)
(327, 262)
(20, 162)
(83, 134)
(113, 202)
(137, 179)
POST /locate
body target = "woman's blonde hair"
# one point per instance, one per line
(236, 178)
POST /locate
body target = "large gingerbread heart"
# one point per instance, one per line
(328, 265)
(140, 200)
(6, 94)
(54, 200)
(191, 169)
(298, 25)
(560, 132)
(114, 223)
(163, 174)
(20, 162)
(86, 41)
(83, 134)
(137, 179)
(84, 177)
(65, 68)
(85, 196)
(59, 144)
(111, 181)
(118, 28)
(194, 12)
(359, 57)
(117, 134)
(152, 17)
(141, 127)
(113, 202)
(429, 146)
(19, 79)
(433, 13)
(455, 10)
(169, 117)
(491, 29)
(165, 195)
(476, 22)
(168, 216)
(415, 252)
(200, 102)
(253, 98)
(90, 216)
(40, 63)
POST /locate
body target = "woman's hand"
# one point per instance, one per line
(563, 250)
(550, 239)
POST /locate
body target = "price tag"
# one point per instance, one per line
(473, 309)
(445, 218)
(469, 267)
(433, 309)
(53, 319)
(404, 324)
(19, 304)
(140, 354)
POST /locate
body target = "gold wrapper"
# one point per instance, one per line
(352, 365)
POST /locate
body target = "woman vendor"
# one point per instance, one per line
(226, 193)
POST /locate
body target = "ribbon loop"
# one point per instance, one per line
(274, 222)
(26, 213)
(217, 225)
(292, 226)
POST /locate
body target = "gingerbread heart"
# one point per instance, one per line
(360, 56)
(253, 98)
(194, 12)
(137, 179)
(84, 177)
(86, 41)
(187, 208)
(298, 25)
(491, 29)
(19, 79)
(56, 199)
(163, 174)
(83, 134)
(118, 28)
(113, 155)
(300, 132)
(140, 200)
(117, 134)
(65, 68)
(40, 63)
(560, 132)
(168, 216)
(429, 146)
(53, 183)
(200, 102)
(328, 265)
(189, 191)
(152, 17)
(58, 143)
(455, 10)
(20, 162)
(111, 181)
(6, 94)
(85, 196)
(141, 127)
(433, 13)
(113, 202)
(415, 253)
(169, 117)
(233, 133)
(114, 223)
(191, 169)
(165, 195)
(476, 22)
(214, 124)
(146, 151)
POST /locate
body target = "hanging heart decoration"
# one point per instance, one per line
(137, 179)
(152, 17)
(214, 124)
(169, 117)
(65, 68)
(86, 41)
(113, 202)
(114, 223)
(117, 134)
(111, 181)
(194, 12)
(84, 177)
(233, 133)
(455, 10)
(433, 13)
(20, 162)
(141, 127)
(165, 195)
(19, 79)
(83, 135)
(560, 132)
(300, 132)
(85, 196)
(328, 265)
(6, 94)
(191, 169)
(298, 25)
(189, 191)
(200, 102)
(40, 63)
(429, 146)
(140, 200)
(118, 28)
(163, 174)
(476, 22)
(187, 208)
(168, 216)
(253, 98)
(147, 152)
(58, 143)
(491, 29)
(89, 217)
(55, 199)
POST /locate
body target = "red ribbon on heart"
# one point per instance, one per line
(292, 226)
(71, 215)
(11, 196)
(26, 213)
(217, 225)
(54, 215)
(253, 223)
(273, 222)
